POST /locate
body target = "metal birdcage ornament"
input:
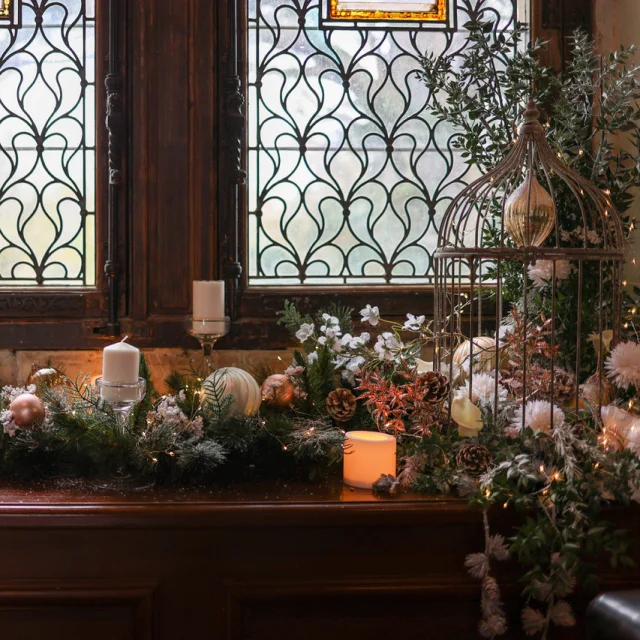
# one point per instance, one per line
(508, 220)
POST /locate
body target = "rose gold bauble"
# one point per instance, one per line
(596, 391)
(611, 440)
(47, 376)
(278, 390)
(27, 410)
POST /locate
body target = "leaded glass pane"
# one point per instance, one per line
(348, 174)
(47, 145)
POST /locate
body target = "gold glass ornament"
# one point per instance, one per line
(47, 376)
(278, 390)
(27, 410)
(529, 213)
(596, 391)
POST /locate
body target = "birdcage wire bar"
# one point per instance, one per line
(463, 258)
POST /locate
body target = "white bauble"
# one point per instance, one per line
(241, 385)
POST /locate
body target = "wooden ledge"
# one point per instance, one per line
(261, 504)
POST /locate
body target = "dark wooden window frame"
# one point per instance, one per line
(155, 237)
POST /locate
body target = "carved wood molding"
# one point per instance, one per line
(41, 305)
(234, 118)
(138, 595)
(115, 125)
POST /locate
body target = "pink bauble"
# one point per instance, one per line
(27, 410)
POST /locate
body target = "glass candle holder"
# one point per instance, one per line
(121, 397)
(207, 331)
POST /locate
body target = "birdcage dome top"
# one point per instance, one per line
(512, 211)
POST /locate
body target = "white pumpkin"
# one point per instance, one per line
(484, 355)
(242, 386)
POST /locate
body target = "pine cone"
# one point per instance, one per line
(473, 458)
(341, 405)
(436, 387)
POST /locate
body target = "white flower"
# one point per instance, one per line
(387, 346)
(305, 331)
(293, 370)
(413, 323)
(340, 361)
(503, 331)
(422, 366)
(355, 364)
(196, 427)
(483, 390)
(355, 342)
(594, 237)
(623, 364)
(541, 272)
(10, 393)
(312, 357)
(537, 416)
(371, 315)
(466, 415)
(8, 423)
(352, 368)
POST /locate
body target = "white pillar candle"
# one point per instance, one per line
(120, 365)
(208, 299)
(367, 456)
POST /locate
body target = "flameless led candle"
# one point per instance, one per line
(208, 299)
(367, 456)
(120, 365)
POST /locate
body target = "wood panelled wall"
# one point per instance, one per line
(173, 182)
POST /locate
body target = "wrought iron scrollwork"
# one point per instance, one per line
(234, 102)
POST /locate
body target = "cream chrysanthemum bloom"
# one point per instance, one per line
(623, 364)
(483, 389)
(541, 272)
(537, 416)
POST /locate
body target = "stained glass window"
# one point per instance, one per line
(5, 9)
(404, 10)
(349, 175)
(47, 145)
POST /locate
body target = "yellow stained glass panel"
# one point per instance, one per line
(5, 8)
(433, 10)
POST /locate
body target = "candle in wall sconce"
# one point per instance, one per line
(368, 454)
(120, 365)
(208, 299)
(208, 307)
